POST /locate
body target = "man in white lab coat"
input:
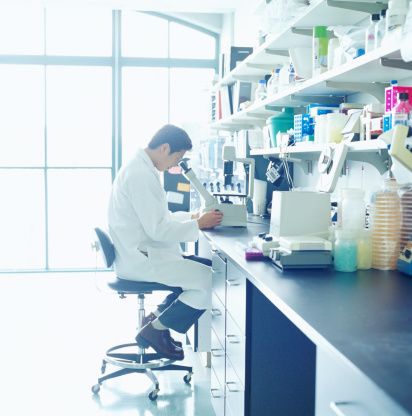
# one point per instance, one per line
(146, 237)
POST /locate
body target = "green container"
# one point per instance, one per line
(281, 122)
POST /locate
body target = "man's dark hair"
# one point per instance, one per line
(176, 137)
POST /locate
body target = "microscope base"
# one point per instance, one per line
(234, 215)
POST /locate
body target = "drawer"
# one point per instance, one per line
(218, 358)
(235, 348)
(218, 318)
(342, 390)
(217, 395)
(236, 295)
(235, 394)
(219, 276)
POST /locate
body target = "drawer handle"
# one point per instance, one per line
(232, 282)
(335, 407)
(215, 354)
(233, 339)
(216, 312)
(232, 383)
(214, 395)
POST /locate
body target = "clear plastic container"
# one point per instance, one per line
(364, 250)
(370, 33)
(395, 19)
(335, 123)
(386, 226)
(353, 209)
(380, 29)
(260, 93)
(345, 256)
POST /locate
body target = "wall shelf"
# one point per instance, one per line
(374, 152)
(274, 51)
(351, 77)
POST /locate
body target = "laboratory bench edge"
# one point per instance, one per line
(356, 326)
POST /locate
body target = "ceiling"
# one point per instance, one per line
(198, 6)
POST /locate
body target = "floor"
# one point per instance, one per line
(53, 331)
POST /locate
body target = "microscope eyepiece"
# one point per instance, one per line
(184, 166)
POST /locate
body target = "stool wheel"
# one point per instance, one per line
(96, 388)
(187, 378)
(153, 394)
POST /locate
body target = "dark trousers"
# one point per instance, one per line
(175, 314)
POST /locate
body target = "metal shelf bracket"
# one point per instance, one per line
(380, 159)
(375, 89)
(279, 52)
(303, 32)
(318, 99)
(396, 63)
(274, 108)
(358, 6)
(259, 66)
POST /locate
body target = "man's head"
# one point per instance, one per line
(168, 146)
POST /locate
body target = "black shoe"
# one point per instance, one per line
(160, 342)
(151, 317)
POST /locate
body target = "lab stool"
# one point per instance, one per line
(139, 361)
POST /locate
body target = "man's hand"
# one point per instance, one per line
(210, 219)
(195, 215)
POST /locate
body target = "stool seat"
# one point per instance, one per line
(135, 287)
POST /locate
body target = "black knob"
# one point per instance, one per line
(407, 253)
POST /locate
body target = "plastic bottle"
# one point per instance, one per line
(260, 93)
(320, 50)
(273, 83)
(380, 29)
(370, 33)
(353, 209)
(395, 18)
(402, 112)
(345, 257)
(364, 241)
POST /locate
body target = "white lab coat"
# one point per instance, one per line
(139, 221)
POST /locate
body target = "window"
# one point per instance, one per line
(22, 115)
(144, 35)
(79, 116)
(186, 43)
(71, 115)
(21, 30)
(81, 31)
(145, 107)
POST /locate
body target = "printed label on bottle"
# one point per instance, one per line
(400, 119)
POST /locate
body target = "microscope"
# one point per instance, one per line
(234, 213)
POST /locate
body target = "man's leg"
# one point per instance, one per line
(195, 280)
(169, 299)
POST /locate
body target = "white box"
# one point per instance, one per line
(300, 213)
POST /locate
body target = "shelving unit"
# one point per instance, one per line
(298, 33)
(380, 66)
(369, 73)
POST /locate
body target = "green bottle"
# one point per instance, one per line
(320, 50)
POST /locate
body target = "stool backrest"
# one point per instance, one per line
(106, 245)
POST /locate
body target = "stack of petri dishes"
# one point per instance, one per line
(405, 193)
(386, 226)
